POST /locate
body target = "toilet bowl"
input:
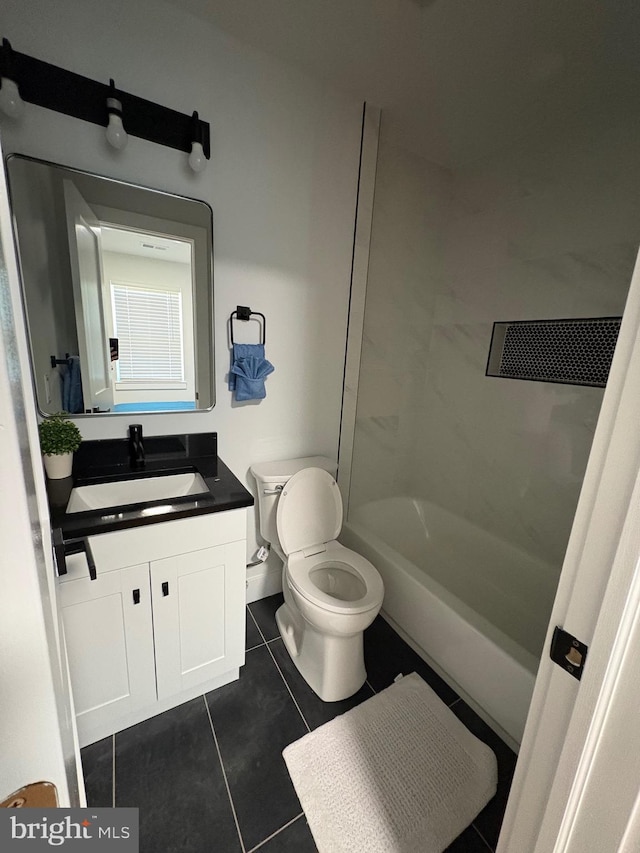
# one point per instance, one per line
(331, 593)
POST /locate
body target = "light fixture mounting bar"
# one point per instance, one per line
(65, 92)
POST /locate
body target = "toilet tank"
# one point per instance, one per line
(270, 475)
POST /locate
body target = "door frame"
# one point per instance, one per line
(573, 739)
(87, 280)
(36, 707)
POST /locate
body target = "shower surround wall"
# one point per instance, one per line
(549, 228)
(405, 258)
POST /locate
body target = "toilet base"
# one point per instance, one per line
(333, 667)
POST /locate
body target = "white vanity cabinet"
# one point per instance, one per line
(109, 642)
(164, 620)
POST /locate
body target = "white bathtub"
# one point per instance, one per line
(475, 606)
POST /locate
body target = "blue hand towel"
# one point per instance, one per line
(72, 400)
(242, 351)
(248, 372)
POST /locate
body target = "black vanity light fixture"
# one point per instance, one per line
(116, 134)
(11, 103)
(25, 78)
(197, 157)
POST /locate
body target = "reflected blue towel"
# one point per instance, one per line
(72, 401)
(249, 369)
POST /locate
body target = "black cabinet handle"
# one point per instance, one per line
(90, 561)
(58, 551)
(77, 546)
(165, 588)
(136, 596)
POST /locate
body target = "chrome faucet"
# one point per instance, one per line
(136, 446)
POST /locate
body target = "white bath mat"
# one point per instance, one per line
(397, 774)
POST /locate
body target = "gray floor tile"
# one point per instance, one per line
(264, 612)
(254, 719)
(489, 821)
(468, 842)
(386, 655)
(253, 637)
(168, 767)
(505, 756)
(315, 711)
(97, 768)
(296, 838)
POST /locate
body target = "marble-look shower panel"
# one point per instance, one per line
(547, 229)
(405, 258)
(507, 455)
(520, 447)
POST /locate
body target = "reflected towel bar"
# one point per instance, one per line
(56, 361)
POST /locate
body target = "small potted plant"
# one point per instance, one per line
(59, 439)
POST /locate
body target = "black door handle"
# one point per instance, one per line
(165, 588)
(136, 596)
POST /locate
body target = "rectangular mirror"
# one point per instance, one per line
(118, 292)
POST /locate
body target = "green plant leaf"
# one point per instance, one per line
(59, 435)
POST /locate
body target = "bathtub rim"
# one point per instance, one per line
(498, 688)
(480, 623)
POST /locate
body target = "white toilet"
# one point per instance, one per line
(331, 594)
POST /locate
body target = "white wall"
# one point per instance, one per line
(549, 228)
(282, 184)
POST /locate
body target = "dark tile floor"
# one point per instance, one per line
(209, 777)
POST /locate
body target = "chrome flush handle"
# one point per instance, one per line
(275, 491)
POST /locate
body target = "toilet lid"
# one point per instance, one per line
(309, 510)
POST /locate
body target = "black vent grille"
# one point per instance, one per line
(575, 352)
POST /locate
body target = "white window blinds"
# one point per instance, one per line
(148, 325)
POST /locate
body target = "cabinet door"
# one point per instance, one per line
(198, 616)
(109, 640)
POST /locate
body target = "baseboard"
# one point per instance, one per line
(261, 584)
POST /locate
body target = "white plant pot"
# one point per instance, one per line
(58, 465)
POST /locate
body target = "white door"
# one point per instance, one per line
(37, 733)
(83, 230)
(198, 601)
(108, 635)
(577, 784)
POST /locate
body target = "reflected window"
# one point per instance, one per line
(148, 281)
(148, 326)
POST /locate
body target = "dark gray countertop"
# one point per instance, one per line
(108, 459)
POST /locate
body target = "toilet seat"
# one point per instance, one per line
(309, 519)
(300, 570)
(309, 511)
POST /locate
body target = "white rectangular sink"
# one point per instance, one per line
(123, 492)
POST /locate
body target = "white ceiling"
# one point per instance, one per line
(456, 79)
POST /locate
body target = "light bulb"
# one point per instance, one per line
(197, 160)
(116, 134)
(10, 101)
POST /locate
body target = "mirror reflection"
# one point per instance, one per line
(118, 291)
